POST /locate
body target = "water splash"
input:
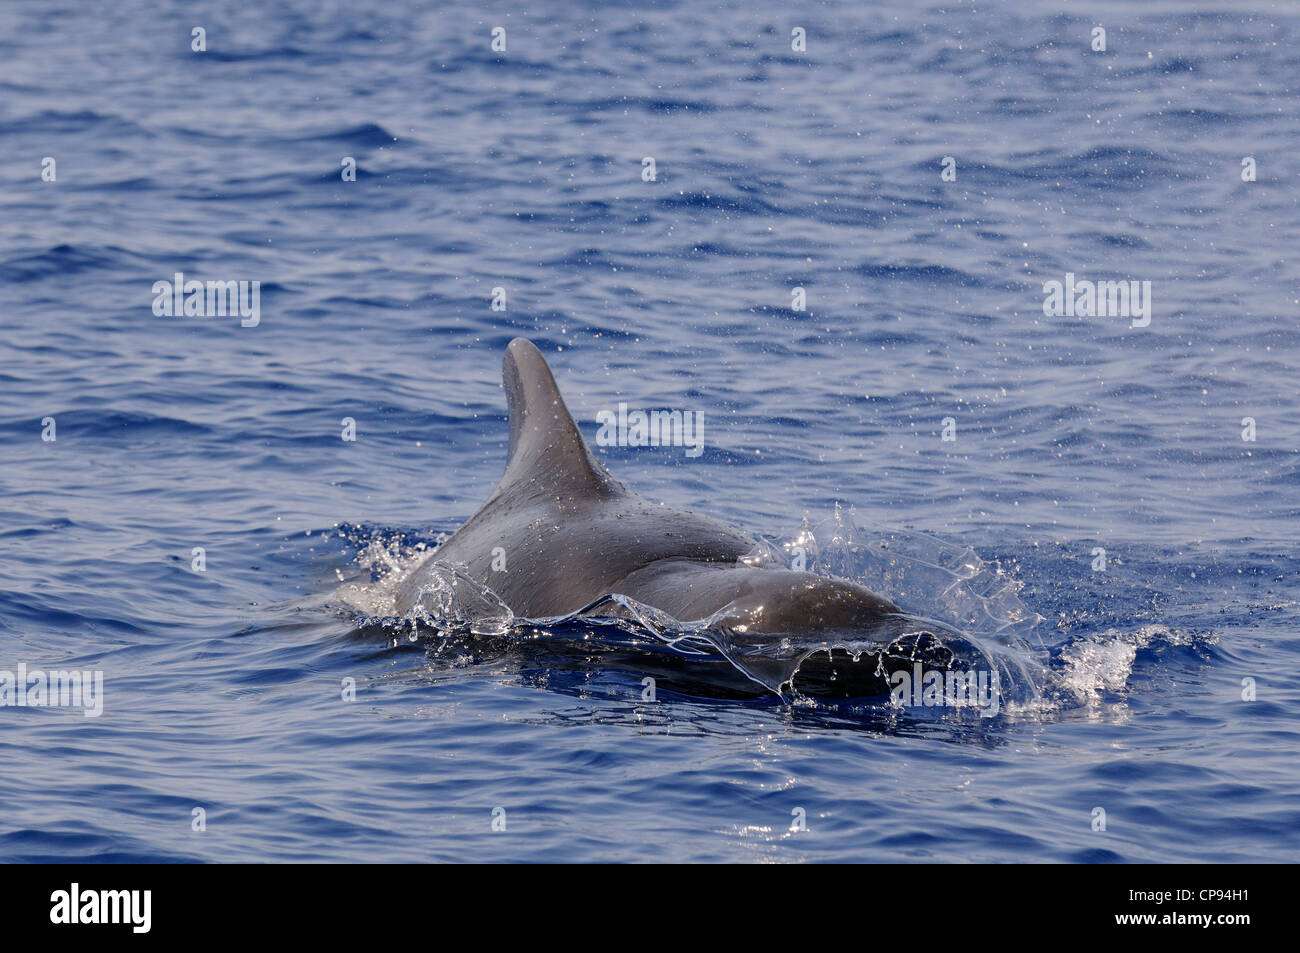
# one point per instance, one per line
(1101, 664)
(962, 612)
(921, 573)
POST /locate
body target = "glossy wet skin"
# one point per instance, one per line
(569, 533)
(756, 598)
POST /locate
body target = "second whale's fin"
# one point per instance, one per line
(548, 456)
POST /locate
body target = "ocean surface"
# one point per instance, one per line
(1104, 522)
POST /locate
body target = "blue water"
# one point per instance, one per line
(523, 170)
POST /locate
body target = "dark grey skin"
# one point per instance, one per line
(573, 534)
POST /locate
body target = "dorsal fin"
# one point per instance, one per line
(548, 456)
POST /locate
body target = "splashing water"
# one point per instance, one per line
(1100, 664)
(960, 613)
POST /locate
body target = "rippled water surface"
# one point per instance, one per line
(774, 170)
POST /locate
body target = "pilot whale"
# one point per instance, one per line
(570, 534)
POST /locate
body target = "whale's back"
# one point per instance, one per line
(559, 531)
